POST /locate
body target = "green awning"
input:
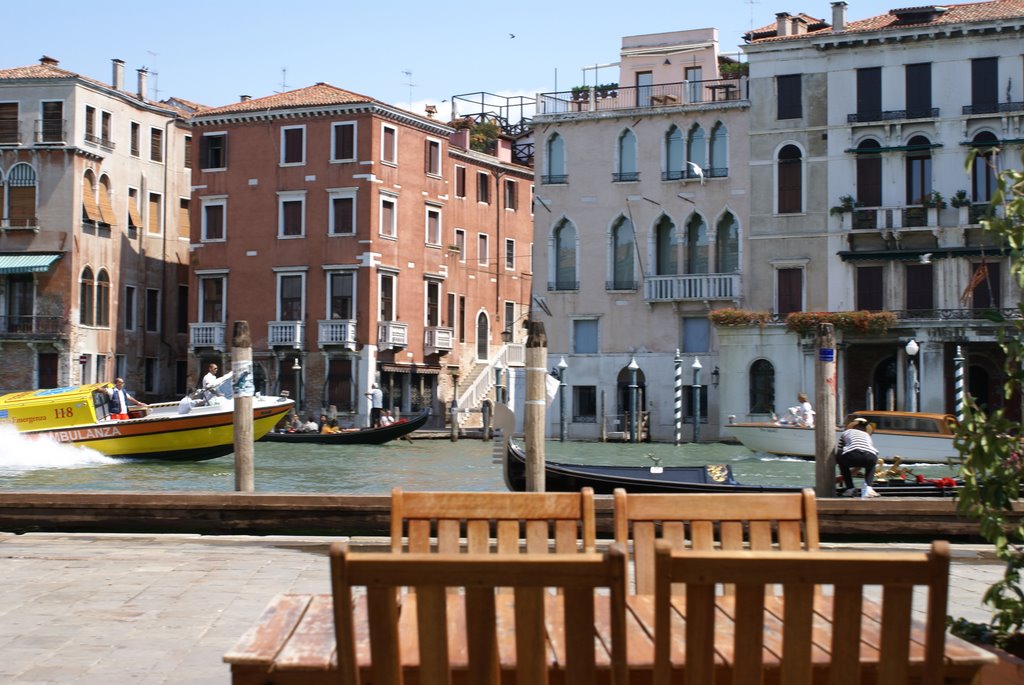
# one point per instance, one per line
(26, 263)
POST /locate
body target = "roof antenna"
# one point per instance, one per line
(284, 80)
(156, 76)
(408, 75)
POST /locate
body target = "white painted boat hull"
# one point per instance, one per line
(799, 442)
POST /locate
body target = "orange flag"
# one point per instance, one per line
(979, 277)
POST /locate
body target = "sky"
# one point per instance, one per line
(404, 53)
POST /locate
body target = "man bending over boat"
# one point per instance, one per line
(119, 399)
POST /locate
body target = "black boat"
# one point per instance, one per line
(714, 478)
(359, 436)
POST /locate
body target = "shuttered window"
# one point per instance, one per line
(869, 288)
(919, 291)
(90, 210)
(344, 141)
(134, 217)
(21, 189)
(154, 214)
(919, 90)
(184, 225)
(389, 152)
(107, 214)
(213, 222)
(292, 145)
(985, 81)
(869, 93)
(156, 145)
(789, 94)
(869, 174)
(9, 122)
(790, 290)
(790, 180)
(291, 217)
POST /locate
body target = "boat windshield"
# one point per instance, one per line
(101, 403)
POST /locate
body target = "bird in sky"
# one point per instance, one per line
(511, 35)
(926, 258)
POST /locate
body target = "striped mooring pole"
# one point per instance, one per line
(679, 398)
(958, 382)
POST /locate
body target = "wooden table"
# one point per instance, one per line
(293, 643)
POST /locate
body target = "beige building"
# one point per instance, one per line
(640, 221)
(94, 199)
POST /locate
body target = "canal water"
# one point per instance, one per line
(422, 464)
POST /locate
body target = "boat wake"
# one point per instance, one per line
(19, 453)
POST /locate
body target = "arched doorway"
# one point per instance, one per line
(883, 384)
(622, 394)
(483, 336)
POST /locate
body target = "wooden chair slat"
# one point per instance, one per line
(643, 555)
(897, 603)
(578, 621)
(566, 537)
(431, 613)
(311, 646)
(449, 536)
(731, 535)
(749, 622)
(382, 617)
(790, 535)
(261, 643)
(530, 636)
(702, 535)
(760, 535)
(481, 636)
(508, 537)
(845, 620)
(797, 644)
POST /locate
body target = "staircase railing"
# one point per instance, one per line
(480, 387)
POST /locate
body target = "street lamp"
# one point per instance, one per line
(297, 369)
(562, 366)
(633, 367)
(913, 386)
(696, 398)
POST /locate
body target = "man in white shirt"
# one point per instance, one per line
(210, 383)
(376, 404)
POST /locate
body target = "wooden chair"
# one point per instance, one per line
(762, 522)
(803, 632)
(450, 522)
(384, 634)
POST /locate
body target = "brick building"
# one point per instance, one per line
(361, 242)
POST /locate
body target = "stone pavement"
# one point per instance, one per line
(154, 609)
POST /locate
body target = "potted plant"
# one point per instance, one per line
(607, 90)
(934, 200)
(847, 203)
(962, 202)
(581, 92)
(992, 463)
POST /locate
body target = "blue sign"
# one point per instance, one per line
(827, 354)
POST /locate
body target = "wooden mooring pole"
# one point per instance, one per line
(825, 413)
(536, 404)
(242, 390)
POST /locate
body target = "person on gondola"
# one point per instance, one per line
(856, 450)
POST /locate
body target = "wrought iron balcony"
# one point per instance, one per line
(438, 340)
(681, 287)
(206, 335)
(625, 176)
(563, 285)
(337, 332)
(20, 224)
(963, 314)
(286, 333)
(994, 108)
(9, 133)
(51, 131)
(892, 115)
(620, 284)
(554, 179)
(30, 327)
(392, 334)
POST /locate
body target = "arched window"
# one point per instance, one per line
(869, 173)
(919, 170)
(696, 245)
(666, 247)
(21, 196)
(719, 161)
(106, 203)
(790, 180)
(102, 298)
(85, 298)
(983, 172)
(695, 149)
(622, 256)
(90, 208)
(565, 257)
(727, 245)
(627, 157)
(555, 160)
(483, 328)
(762, 387)
(674, 161)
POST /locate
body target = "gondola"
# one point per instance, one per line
(561, 477)
(360, 436)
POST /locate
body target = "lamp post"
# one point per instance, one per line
(696, 398)
(562, 366)
(633, 367)
(297, 369)
(912, 383)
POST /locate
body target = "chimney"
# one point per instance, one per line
(143, 77)
(49, 61)
(838, 16)
(245, 98)
(118, 74)
(782, 24)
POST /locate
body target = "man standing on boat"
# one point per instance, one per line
(376, 404)
(119, 399)
(211, 383)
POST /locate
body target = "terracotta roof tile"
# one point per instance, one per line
(954, 14)
(319, 95)
(36, 71)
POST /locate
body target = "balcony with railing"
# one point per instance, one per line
(620, 284)
(438, 340)
(17, 327)
(51, 131)
(206, 335)
(29, 223)
(336, 333)
(683, 287)
(286, 334)
(563, 285)
(97, 140)
(554, 179)
(392, 334)
(994, 108)
(892, 115)
(625, 177)
(605, 98)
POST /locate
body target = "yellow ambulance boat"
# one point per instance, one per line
(185, 431)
